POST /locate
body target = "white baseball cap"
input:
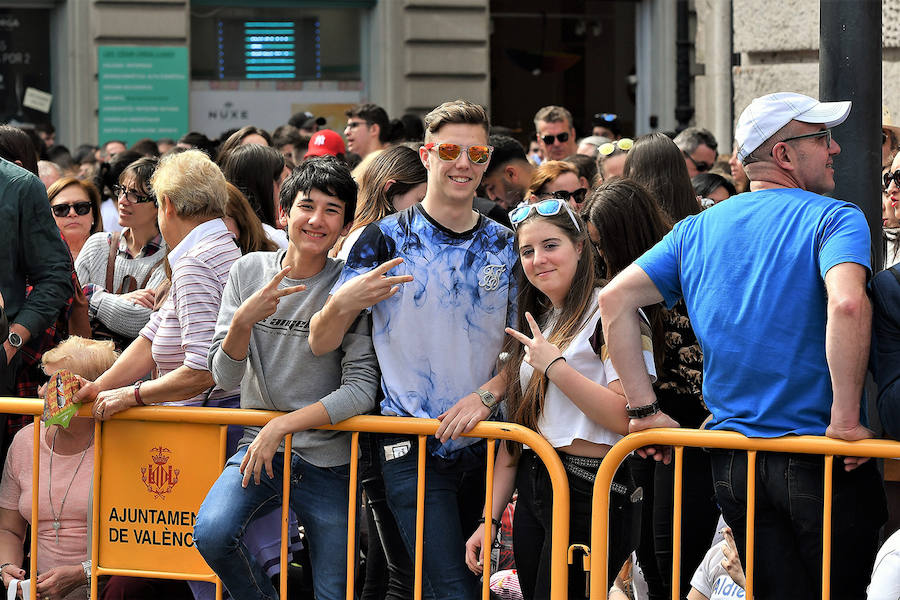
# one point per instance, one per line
(767, 114)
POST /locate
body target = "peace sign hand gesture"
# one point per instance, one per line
(539, 353)
(264, 301)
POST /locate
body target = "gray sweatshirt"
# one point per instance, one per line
(280, 371)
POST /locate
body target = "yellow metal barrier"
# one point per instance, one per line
(374, 424)
(680, 438)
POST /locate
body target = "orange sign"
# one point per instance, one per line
(154, 478)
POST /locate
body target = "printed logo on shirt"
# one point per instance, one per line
(284, 326)
(490, 277)
(725, 588)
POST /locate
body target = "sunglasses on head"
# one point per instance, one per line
(545, 208)
(600, 118)
(62, 210)
(562, 137)
(625, 144)
(131, 195)
(888, 177)
(450, 152)
(577, 196)
(702, 167)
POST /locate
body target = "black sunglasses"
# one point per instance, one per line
(702, 167)
(577, 196)
(888, 177)
(62, 210)
(562, 137)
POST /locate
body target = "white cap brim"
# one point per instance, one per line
(830, 114)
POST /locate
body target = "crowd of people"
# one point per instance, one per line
(582, 286)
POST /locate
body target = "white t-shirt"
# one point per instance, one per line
(885, 584)
(561, 421)
(712, 580)
(276, 235)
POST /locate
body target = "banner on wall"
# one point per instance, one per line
(143, 92)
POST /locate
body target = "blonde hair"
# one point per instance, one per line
(457, 111)
(192, 183)
(88, 358)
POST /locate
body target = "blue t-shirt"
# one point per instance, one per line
(439, 337)
(751, 271)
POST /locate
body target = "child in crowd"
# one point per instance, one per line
(261, 342)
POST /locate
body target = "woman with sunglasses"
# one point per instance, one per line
(120, 271)
(558, 179)
(76, 208)
(890, 202)
(558, 384)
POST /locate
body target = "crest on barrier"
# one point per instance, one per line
(159, 476)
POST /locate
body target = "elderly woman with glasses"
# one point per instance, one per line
(190, 191)
(121, 270)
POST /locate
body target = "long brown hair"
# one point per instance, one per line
(525, 407)
(628, 223)
(252, 236)
(656, 163)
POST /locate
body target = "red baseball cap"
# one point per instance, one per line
(325, 142)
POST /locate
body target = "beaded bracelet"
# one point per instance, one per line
(495, 522)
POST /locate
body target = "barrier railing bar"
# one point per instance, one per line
(487, 542)
(676, 523)
(352, 509)
(373, 424)
(35, 491)
(95, 506)
(285, 511)
(223, 456)
(420, 519)
(751, 521)
(826, 527)
(709, 439)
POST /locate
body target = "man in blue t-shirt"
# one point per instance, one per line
(438, 327)
(774, 281)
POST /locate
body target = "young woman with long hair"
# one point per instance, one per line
(656, 163)
(624, 222)
(393, 181)
(558, 385)
(258, 171)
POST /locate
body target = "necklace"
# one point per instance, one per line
(57, 517)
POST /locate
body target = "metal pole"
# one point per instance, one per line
(850, 69)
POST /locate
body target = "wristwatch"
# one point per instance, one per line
(15, 340)
(487, 398)
(643, 411)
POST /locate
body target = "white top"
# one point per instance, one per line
(109, 210)
(885, 583)
(276, 235)
(712, 580)
(351, 238)
(561, 421)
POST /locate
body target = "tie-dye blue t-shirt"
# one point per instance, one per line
(439, 337)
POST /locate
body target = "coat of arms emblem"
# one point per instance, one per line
(159, 476)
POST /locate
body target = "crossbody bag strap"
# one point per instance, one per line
(111, 262)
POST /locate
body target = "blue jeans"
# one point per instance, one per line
(454, 498)
(789, 501)
(319, 497)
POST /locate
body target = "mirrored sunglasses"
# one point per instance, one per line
(62, 210)
(545, 208)
(450, 152)
(625, 144)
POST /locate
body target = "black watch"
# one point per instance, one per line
(643, 411)
(15, 340)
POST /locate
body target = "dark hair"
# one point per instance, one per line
(506, 150)
(587, 167)
(397, 133)
(373, 115)
(706, 183)
(628, 223)
(89, 190)
(327, 174)
(61, 156)
(16, 145)
(525, 406)
(197, 140)
(234, 140)
(251, 235)
(108, 174)
(608, 121)
(254, 169)
(146, 146)
(85, 154)
(413, 127)
(284, 135)
(693, 137)
(45, 127)
(656, 163)
(142, 170)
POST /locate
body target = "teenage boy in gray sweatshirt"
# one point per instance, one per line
(261, 343)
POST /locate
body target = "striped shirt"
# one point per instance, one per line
(181, 332)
